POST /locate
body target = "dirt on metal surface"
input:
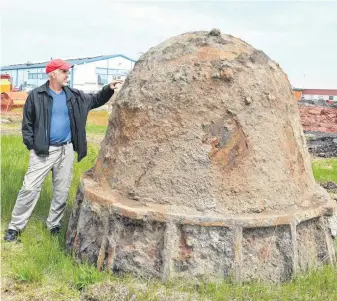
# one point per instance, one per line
(208, 122)
(203, 171)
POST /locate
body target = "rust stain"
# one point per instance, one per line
(130, 247)
(236, 146)
(152, 251)
(130, 122)
(129, 213)
(207, 53)
(293, 157)
(209, 224)
(210, 53)
(160, 216)
(185, 252)
(98, 167)
(264, 253)
(101, 256)
(76, 243)
(283, 220)
(111, 256)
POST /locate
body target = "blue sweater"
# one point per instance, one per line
(60, 122)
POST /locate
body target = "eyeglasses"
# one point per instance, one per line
(65, 71)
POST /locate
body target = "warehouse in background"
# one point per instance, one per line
(327, 95)
(88, 74)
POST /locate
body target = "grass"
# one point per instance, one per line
(14, 158)
(95, 129)
(325, 169)
(39, 268)
(43, 258)
(97, 122)
(98, 118)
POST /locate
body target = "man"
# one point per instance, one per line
(53, 127)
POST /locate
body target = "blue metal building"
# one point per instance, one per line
(88, 74)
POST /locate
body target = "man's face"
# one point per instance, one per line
(61, 77)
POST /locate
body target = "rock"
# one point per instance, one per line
(329, 185)
(320, 127)
(248, 100)
(322, 144)
(215, 32)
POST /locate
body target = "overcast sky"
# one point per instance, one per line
(300, 36)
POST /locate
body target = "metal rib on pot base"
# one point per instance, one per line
(123, 235)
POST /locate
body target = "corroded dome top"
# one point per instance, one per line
(207, 122)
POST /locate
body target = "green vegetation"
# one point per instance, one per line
(96, 129)
(325, 170)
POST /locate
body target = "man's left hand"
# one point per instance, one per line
(116, 84)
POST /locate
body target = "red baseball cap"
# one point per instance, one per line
(57, 64)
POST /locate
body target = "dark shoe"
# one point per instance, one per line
(11, 235)
(55, 231)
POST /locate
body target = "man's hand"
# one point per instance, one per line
(116, 84)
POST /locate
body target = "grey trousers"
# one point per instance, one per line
(60, 161)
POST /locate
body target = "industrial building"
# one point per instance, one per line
(88, 74)
(329, 95)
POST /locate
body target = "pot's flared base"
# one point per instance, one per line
(123, 235)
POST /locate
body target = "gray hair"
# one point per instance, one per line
(52, 72)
